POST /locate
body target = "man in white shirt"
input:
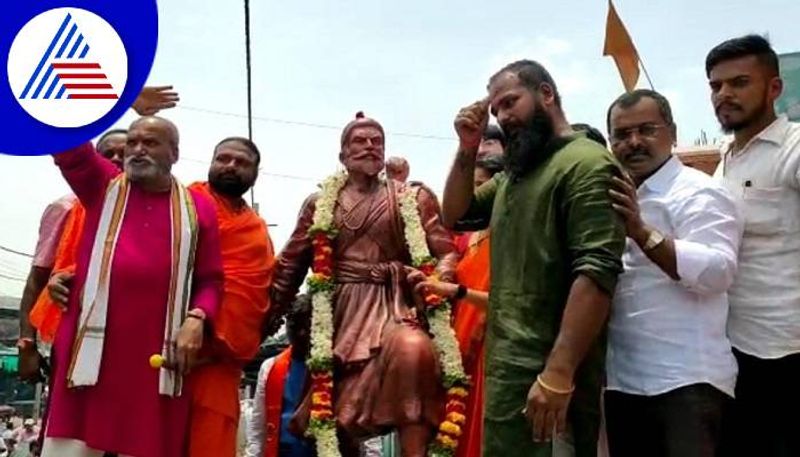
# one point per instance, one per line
(761, 167)
(670, 368)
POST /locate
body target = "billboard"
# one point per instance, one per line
(789, 102)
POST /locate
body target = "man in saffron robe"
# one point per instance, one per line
(387, 374)
(130, 302)
(247, 260)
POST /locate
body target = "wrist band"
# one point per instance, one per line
(460, 293)
(553, 389)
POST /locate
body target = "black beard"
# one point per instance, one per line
(228, 184)
(527, 144)
(734, 127)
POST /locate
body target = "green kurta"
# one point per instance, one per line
(550, 226)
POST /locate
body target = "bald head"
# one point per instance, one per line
(397, 168)
(159, 124)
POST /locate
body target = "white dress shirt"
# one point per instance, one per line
(665, 334)
(764, 176)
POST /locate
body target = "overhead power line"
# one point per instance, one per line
(260, 172)
(3, 248)
(308, 124)
(12, 278)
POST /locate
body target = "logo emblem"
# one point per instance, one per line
(67, 67)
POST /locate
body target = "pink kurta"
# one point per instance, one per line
(124, 412)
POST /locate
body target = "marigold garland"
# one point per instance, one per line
(321, 284)
(439, 317)
(322, 425)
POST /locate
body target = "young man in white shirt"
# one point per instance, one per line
(761, 167)
(671, 372)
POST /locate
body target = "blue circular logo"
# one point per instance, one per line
(73, 69)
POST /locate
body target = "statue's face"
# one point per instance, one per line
(363, 152)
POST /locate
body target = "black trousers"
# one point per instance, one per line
(685, 422)
(765, 418)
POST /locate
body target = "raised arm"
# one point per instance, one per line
(86, 172)
(458, 191)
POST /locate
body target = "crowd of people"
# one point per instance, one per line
(560, 296)
(19, 437)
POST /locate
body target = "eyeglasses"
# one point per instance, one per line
(645, 130)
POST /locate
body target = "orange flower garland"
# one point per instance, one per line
(439, 317)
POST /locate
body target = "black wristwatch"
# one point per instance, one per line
(461, 292)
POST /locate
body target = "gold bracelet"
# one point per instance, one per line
(553, 389)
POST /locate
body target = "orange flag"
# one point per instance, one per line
(620, 46)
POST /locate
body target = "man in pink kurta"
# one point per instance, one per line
(123, 412)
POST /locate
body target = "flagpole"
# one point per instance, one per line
(249, 85)
(646, 74)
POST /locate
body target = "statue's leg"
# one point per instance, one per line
(414, 439)
(413, 361)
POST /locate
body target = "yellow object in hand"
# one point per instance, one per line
(156, 361)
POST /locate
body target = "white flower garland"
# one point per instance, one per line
(326, 203)
(321, 327)
(444, 337)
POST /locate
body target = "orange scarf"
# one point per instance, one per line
(46, 314)
(276, 382)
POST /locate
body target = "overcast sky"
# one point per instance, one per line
(410, 64)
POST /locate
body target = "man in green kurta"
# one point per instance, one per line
(556, 248)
